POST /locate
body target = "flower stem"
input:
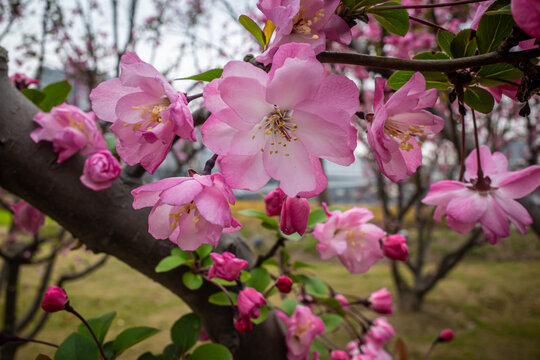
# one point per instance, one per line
(221, 287)
(74, 312)
(430, 350)
(479, 164)
(193, 97)
(424, 6)
(210, 163)
(427, 23)
(462, 165)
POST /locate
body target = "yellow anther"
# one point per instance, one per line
(287, 154)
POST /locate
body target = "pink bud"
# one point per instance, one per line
(395, 247)
(55, 299)
(226, 266)
(203, 336)
(446, 335)
(100, 170)
(274, 202)
(284, 284)
(250, 302)
(343, 301)
(339, 355)
(294, 215)
(381, 301)
(243, 324)
(27, 217)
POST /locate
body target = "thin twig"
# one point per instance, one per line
(425, 6)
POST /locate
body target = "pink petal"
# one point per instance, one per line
(339, 92)
(215, 104)
(244, 171)
(159, 224)
(105, 96)
(517, 214)
(182, 193)
(467, 207)
(125, 106)
(246, 97)
(213, 207)
(148, 195)
(517, 184)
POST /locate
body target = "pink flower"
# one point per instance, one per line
(21, 81)
(100, 170)
(303, 21)
(243, 324)
(27, 217)
(70, 130)
(479, 12)
(146, 111)
(490, 201)
(397, 123)
(446, 335)
(55, 299)
(250, 302)
(302, 328)
(395, 247)
(278, 125)
(343, 301)
(351, 238)
(226, 266)
(273, 202)
(294, 215)
(380, 332)
(381, 301)
(284, 284)
(339, 355)
(526, 13)
(189, 211)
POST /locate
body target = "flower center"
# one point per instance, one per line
(482, 187)
(303, 25)
(186, 209)
(404, 132)
(355, 240)
(150, 115)
(279, 125)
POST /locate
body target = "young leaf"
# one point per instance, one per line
(204, 250)
(316, 287)
(260, 278)
(130, 337)
(192, 281)
(211, 351)
(444, 39)
(492, 30)
(253, 28)
(185, 332)
(170, 262)
(479, 99)
(331, 321)
(55, 94)
(318, 215)
(262, 316)
(99, 324)
(268, 30)
(205, 76)
(33, 95)
(395, 21)
(221, 299)
(77, 347)
(289, 306)
(267, 221)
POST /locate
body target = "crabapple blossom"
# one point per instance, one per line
(100, 170)
(226, 266)
(189, 211)
(27, 217)
(526, 13)
(303, 21)
(294, 215)
(446, 335)
(381, 301)
(243, 324)
(395, 247)
(396, 125)
(55, 299)
(284, 284)
(146, 112)
(21, 81)
(489, 201)
(69, 129)
(343, 301)
(339, 355)
(349, 236)
(278, 125)
(302, 328)
(273, 202)
(380, 332)
(250, 302)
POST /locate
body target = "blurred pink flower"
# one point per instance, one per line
(27, 217)
(343, 301)
(349, 236)
(526, 13)
(490, 201)
(446, 335)
(146, 112)
(100, 170)
(339, 355)
(243, 324)
(381, 301)
(69, 129)
(395, 247)
(250, 302)
(379, 332)
(21, 81)
(397, 123)
(302, 328)
(279, 124)
(226, 266)
(189, 211)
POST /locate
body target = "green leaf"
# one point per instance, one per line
(253, 28)
(170, 262)
(221, 298)
(315, 287)
(132, 336)
(289, 306)
(99, 324)
(185, 332)
(204, 250)
(464, 44)
(42, 357)
(505, 10)
(262, 316)
(205, 76)
(318, 215)
(300, 265)
(318, 347)
(192, 281)
(55, 94)
(492, 30)
(267, 221)
(490, 74)
(33, 95)
(270, 262)
(331, 321)
(181, 253)
(395, 21)
(244, 276)
(479, 99)
(431, 55)
(108, 349)
(293, 237)
(444, 39)
(77, 347)
(211, 351)
(260, 278)
(434, 80)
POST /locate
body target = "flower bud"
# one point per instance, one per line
(294, 215)
(226, 266)
(339, 355)
(446, 335)
(250, 302)
(343, 301)
(284, 284)
(273, 202)
(55, 299)
(100, 170)
(381, 301)
(243, 324)
(395, 247)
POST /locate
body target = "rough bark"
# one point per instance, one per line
(106, 222)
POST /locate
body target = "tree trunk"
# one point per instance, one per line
(410, 300)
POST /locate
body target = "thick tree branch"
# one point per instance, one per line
(106, 222)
